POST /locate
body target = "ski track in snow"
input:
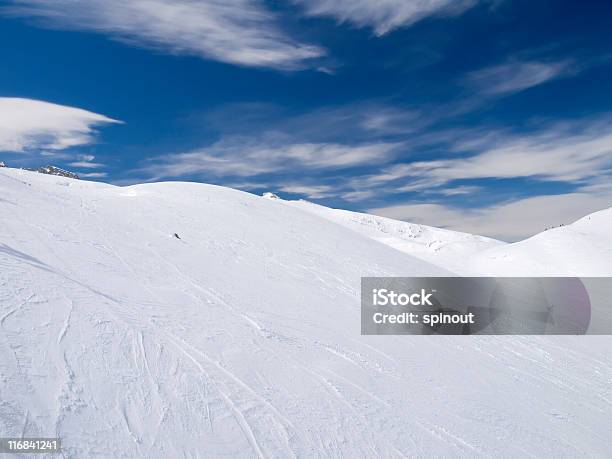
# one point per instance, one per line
(242, 338)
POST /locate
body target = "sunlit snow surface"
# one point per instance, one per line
(241, 338)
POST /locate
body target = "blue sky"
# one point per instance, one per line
(492, 117)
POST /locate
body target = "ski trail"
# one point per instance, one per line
(184, 346)
(145, 360)
(25, 424)
(15, 309)
(244, 425)
(340, 396)
(66, 325)
(360, 389)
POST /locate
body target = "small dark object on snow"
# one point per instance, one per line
(176, 236)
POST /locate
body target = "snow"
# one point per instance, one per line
(438, 246)
(241, 338)
(270, 195)
(583, 248)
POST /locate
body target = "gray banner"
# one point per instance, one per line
(486, 305)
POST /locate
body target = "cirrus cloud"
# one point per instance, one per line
(238, 158)
(239, 32)
(384, 15)
(516, 75)
(578, 152)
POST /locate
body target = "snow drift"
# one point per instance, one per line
(241, 336)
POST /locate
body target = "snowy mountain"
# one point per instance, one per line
(241, 337)
(436, 245)
(583, 248)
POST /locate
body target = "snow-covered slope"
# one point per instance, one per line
(185, 320)
(583, 248)
(436, 245)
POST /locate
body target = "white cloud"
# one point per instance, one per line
(383, 15)
(574, 153)
(27, 124)
(357, 195)
(515, 76)
(237, 158)
(357, 122)
(387, 120)
(87, 165)
(93, 175)
(509, 221)
(240, 32)
(328, 156)
(310, 191)
(458, 190)
(57, 155)
(86, 162)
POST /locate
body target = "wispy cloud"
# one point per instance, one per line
(358, 121)
(458, 190)
(93, 175)
(86, 165)
(310, 154)
(574, 153)
(383, 15)
(516, 75)
(27, 124)
(238, 158)
(86, 162)
(310, 191)
(356, 195)
(240, 32)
